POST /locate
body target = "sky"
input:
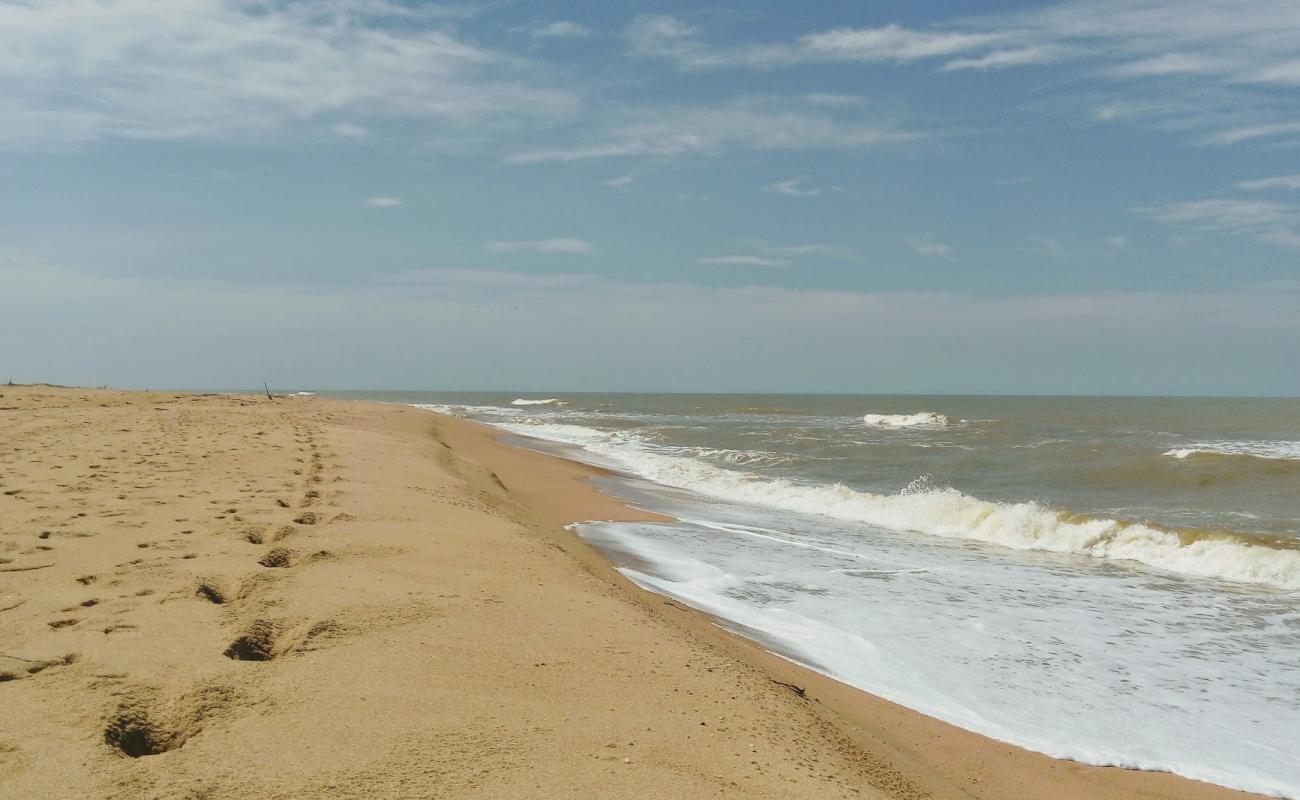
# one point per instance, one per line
(871, 197)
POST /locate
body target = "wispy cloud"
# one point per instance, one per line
(660, 36)
(793, 187)
(794, 252)
(351, 130)
(831, 100)
(1249, 132)
(745, 261)
(570, 246)
(1043, 245)
(752, 124)
(1291, 182)
(804, 249)
(79, 71)
(1001, 59)
(1272, 223)
(562, 29)
(1143, 47)
(933, 249)
(383, 202)
(622, 181)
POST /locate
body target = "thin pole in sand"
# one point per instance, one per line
(268, 391)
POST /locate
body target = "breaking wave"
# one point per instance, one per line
(949, 513)
(521, 401)
(1274, 451)
(924, 419)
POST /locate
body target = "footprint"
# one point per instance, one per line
(277, 558)
(211, 592)
(13, 668)
(141, 726)
(260, 641)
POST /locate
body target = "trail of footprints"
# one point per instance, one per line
(144, 724)
(86, 491)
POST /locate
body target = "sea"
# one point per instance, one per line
(1114, 581)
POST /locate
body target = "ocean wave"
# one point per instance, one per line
(923, 419)
(523, 401)
(1274, 451)
(949, 513)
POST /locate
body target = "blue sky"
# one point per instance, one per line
(1075, 197)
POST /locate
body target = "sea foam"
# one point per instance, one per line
(923, 419)
(523, 401)
(1275, 451)
(949, 513)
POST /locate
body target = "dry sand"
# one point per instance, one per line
(220, 597)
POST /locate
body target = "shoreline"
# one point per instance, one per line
(882, 727)
(434, 626)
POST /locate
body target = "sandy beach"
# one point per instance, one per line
(219, 597)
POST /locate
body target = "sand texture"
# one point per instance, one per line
(223, 597)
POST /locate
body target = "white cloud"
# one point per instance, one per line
(889, 43)
(1043, 245)
(1249, 132)
(1001, 59)
(78, 71)
(804, 249)
(792, 188)
(622, 181)
(383, 202)
(665, 37)
(563, 29)
(934, 249)
(1143, 46)
(751, 124)
(1167, 64)
(1279, 182)
(1272, 223)
(1117, 242)
(745, 261)
(350, 130)
(570, 246)
(830, 100)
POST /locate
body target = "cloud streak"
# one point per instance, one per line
(1268, 222)
(1288, 182)
(746, 125)
(792, 188)
(932, 249)
(1164, 52)
(80, 71)
(563, 29)
(566, 246)
(745, 261)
